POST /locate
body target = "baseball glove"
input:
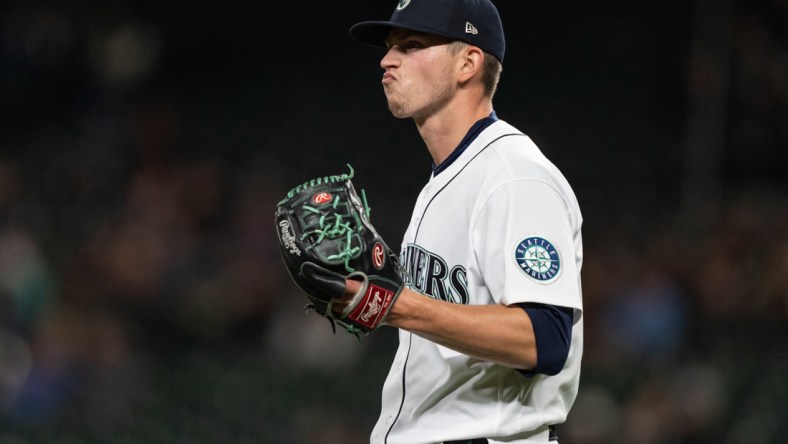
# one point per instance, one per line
(325, 237)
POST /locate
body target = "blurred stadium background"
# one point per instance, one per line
(143, 146)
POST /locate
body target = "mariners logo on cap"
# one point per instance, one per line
(537, 257)
(402, 4)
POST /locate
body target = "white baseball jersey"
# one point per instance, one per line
(500, 225)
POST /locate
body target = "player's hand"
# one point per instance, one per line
(352, 287)
(365, 299)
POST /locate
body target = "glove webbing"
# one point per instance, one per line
(338, 229)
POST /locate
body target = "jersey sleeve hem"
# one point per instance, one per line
(524, 297)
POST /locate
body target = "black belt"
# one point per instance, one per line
(552, 436)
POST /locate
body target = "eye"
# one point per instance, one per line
(406, 44)
(412, 44)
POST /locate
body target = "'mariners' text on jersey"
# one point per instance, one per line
(429, 274)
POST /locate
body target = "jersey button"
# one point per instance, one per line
(389, 419)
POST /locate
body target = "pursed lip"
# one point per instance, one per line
(388, 78)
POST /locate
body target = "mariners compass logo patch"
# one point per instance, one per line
(537, 257)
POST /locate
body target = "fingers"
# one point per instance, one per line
(352, 286)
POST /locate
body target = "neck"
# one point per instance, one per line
(443, 130)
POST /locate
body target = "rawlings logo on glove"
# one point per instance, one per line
(325, 237)
(287, 239)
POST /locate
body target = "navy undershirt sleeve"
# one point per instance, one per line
(553, 330)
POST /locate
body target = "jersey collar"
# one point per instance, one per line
(477, 128)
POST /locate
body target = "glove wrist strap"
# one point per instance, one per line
(371, 304)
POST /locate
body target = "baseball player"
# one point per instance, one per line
(490, 321)
(486, 288)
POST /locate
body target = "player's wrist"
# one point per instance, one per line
(400, 314)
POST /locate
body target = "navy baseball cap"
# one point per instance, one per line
(473, 21)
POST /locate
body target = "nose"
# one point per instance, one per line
(389, 60)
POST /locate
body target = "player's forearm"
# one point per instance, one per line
(494, 333)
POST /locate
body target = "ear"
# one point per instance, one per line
(471, 60)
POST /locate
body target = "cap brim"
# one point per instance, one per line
(375, 32)
(371, 33)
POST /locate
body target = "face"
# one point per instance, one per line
(418, 78)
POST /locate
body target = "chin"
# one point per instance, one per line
(398, 112)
